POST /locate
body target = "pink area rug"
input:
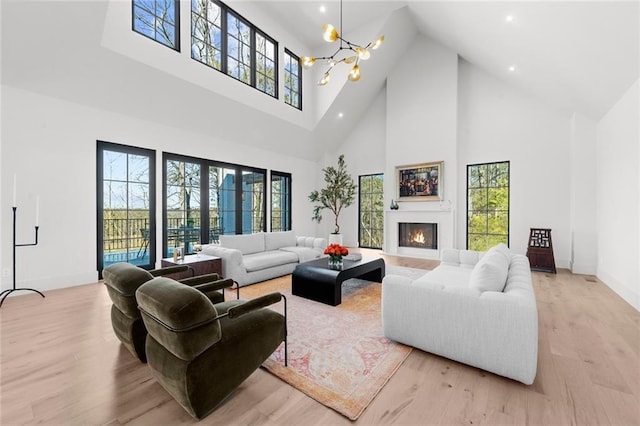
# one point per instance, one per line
(337, 355)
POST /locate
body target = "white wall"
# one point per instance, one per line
(618, 194)
(50, 145)
(584, 247)
(364, 154)
(422, 127)
(500, 123)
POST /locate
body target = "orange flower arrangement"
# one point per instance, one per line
(336, 251)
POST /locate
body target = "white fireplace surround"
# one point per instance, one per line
(444, 218)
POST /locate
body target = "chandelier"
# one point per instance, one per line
(354, 53)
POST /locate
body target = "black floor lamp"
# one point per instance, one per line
(5, 293)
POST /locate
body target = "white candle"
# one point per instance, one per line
(14, 191)
(37, 209)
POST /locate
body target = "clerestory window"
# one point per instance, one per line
(224, 40)
(159, 20)
(292, 80)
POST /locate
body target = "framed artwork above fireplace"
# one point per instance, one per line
(420, 182)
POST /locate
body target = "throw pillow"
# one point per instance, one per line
(503, 250)
(490, 273)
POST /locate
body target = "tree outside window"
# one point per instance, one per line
(159, 20)
(487, 205)
(371, 199)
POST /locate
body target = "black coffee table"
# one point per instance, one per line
(314, 280)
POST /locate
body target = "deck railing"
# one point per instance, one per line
(132, 234)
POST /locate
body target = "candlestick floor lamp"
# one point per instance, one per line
(5, 293)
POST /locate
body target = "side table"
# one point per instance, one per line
(198, 265)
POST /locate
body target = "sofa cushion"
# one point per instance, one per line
(247, 244)
(304, 254)
(450, 257)
(268, 259)
(447, 276)
(469, 258)
(490, 273)
(276, 240)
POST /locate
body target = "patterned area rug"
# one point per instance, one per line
(337, 355)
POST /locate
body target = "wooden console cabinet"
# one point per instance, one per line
(198, 265)
(540, 250)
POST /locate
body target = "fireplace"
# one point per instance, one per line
(418, 235)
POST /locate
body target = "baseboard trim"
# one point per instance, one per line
(627, 293)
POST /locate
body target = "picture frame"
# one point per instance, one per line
(420, 182)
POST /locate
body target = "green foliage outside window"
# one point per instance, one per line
(371, 195)
(487, 205)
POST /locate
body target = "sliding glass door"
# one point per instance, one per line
(205, 199)
(125, 205)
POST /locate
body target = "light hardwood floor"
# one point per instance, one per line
(61, 364)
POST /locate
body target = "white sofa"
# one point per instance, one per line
(478, 309)
(251, 258)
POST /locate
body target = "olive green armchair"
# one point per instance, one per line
(123, 279)
(200, 351)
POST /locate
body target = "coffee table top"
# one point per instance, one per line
(347, 265)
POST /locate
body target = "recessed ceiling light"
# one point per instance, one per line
(322, 9)
(340, 115)
(509, 18)
(512, 68)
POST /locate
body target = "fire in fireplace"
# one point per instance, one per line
(418, 235)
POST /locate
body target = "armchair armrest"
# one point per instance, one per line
(255, 304)
(202, 279)
(258, 303)
(214, 285)
(168, 270)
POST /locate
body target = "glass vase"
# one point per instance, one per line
(335, 262)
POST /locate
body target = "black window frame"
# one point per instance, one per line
(204, 194)
(508, 210)
(289, 179)
(101, 147)
(293, 58)
(360, 244)
(224, 54)
(176, 5)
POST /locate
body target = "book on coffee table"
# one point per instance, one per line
(353, 256)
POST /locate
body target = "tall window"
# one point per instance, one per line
(292, 80)
(182, 205)
(159, 20)
(125, 205)
(280, 201)
(205, 199)
(487, 205)
(222, 39)
(371, 211)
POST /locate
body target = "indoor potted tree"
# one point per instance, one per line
(338, 193)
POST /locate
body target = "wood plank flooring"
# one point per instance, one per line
(61, 364)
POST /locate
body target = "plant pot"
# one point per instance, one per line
(335, 239)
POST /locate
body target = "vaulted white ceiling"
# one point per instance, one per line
(578, 56)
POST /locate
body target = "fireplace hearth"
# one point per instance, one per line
(418, 235)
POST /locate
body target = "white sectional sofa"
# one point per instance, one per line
(478, 309)
(248, 259)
